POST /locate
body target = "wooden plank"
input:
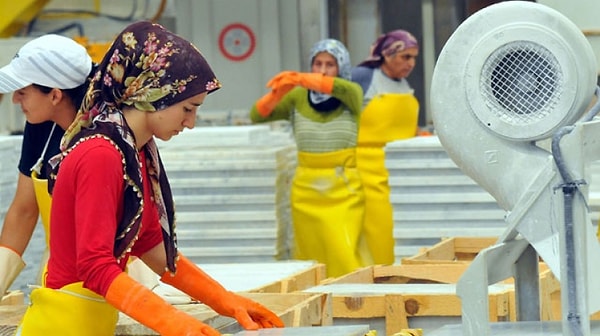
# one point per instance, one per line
(473, 245)
(550, 292)
(452, 250)
(395, 314)
(444, 250)
(303, 279)
(419, 273)
(361, 275)
(359, 305)
(550, 297)
(15, 297)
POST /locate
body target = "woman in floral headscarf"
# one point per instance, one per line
(390, 113)
(112, 200)
(327, 196)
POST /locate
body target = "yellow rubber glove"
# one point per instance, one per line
(141, 304)
(193, 281)
(11, 264)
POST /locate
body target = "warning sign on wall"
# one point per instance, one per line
(237, 42)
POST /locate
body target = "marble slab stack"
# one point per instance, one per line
(433, 198)
(231, 190)
(10, 149)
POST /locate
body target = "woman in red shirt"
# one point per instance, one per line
(112, 200)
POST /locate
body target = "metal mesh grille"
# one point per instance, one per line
(521, 83)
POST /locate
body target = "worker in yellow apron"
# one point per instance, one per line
(327, 198)
(73, 298)
(88, 305)
(387, 117)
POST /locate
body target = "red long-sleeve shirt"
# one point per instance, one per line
(87, 203)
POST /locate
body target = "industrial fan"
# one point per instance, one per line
(510, 97)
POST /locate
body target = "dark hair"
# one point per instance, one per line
(76, 94)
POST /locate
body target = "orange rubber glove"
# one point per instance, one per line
(280, 85)
(144, 306)
(310, 80)
(193, 281)
(283, 78)
(316, 82)
(266, 104)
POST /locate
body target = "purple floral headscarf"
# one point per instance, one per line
(388, 44)
(148, 68)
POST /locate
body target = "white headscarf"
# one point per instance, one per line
(342, 56)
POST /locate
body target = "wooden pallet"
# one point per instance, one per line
(306, 278)
(551, 294)
(295, 309)
(393, 298)
(451, 250)
(462, 250)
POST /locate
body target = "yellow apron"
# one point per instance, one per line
(327, 211)
(44, 202)
(69, 311)
(386, 118)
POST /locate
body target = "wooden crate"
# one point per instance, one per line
(305, 278)
(551, 295)
(15, 297)
(451, 250)
(393, 298)
(401, 274)
(295, 309)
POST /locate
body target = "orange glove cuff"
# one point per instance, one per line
(327, 84)
(195, 282)
(144, 306)
(317, 82)
(266, 104)
(192, 280)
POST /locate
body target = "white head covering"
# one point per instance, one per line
(342, 56)
(50, 60)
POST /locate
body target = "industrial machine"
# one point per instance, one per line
(510, 100)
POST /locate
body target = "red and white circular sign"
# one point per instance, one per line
(237, 42)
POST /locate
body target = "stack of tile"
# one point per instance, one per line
(434, 199)
(231, 190)
(10, 149)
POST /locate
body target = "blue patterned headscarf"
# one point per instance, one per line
(336, 49)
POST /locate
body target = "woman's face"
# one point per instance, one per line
(325, 63)
(164, 124)
(36, 105)
(401, 64)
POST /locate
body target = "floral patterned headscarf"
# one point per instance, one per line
(148, 68)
